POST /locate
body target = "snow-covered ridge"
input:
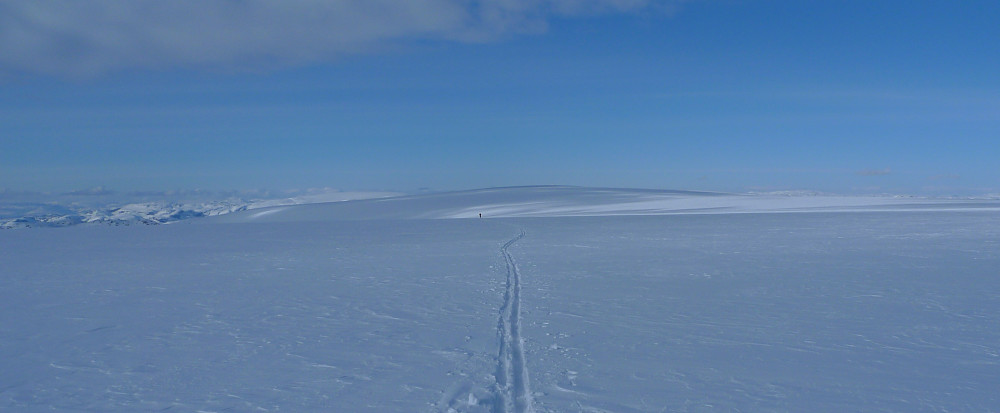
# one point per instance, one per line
(556, 201)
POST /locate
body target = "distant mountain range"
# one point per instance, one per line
(27, 210)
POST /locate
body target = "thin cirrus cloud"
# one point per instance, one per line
(83, 38)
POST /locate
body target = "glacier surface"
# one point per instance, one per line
(611, 300)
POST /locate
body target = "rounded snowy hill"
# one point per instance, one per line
(554, 201)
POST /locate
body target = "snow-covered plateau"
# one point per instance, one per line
(559, 300)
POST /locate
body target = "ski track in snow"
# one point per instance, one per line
(513, 390)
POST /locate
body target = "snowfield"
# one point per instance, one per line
(559, 300)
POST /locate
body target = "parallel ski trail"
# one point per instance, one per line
(513, 389)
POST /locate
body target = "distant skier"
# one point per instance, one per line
(480, 214)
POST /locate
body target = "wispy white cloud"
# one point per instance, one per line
(95, 191)
(80, 38)
(874, 172)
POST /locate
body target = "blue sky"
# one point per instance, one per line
(835, 96)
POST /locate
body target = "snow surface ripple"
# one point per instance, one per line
(513, 387)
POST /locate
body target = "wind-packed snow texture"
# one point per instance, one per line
(892, 307)
(833, 312)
